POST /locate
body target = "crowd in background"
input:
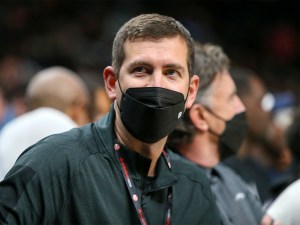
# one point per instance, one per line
(263, 35)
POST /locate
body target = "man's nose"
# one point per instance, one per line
(239, 105)
(156, 80)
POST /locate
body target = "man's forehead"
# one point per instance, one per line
(177, 41)
(222, 87)
(169, 54)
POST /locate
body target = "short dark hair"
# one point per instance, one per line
(147, 27)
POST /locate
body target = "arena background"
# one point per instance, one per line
(262, 35)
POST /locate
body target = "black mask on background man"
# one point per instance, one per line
(234, 134)
(151, 113)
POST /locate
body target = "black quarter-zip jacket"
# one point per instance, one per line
(75, 178)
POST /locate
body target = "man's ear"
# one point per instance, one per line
(193, 89)
(110, 79)
(197, 117)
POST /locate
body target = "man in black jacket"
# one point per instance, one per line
(118, 170)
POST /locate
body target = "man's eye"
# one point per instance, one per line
(172, 72)
(139, 69)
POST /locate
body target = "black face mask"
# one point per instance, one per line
(151, 113)
(234, 134)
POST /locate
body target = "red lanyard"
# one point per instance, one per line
(132, 190)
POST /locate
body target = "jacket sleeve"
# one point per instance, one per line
(21, 197)
(35, 189)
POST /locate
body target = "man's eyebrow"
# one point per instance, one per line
(175, 66)
(138, 63)
(143, 63)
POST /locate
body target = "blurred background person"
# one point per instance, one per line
(57, 100)
(6, 111)
(15, 73)
(292, 134)
(208, 125)
(286, 206)
(264, 159)
(100, 102)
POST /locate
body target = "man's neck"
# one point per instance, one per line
(151, 151)
(202, 151)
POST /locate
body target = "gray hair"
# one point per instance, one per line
(209, 61)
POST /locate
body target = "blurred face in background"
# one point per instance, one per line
(258, 117)
(101, 102)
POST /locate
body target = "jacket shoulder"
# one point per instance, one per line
(59, 150)
(187, 168)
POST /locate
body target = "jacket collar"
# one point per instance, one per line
(138, 164)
